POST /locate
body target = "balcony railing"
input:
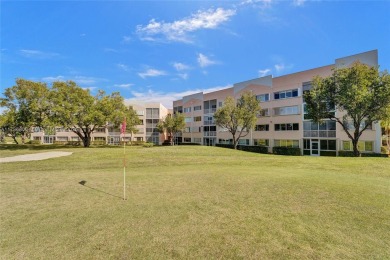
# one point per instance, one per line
(208, 122)
(209, 110)
(211, 133)
(319, 133)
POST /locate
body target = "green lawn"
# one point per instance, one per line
(193, 202)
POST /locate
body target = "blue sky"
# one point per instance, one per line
(162, 50)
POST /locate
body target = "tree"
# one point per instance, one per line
(360, 94)
(238, 117)
(385, 124)
(75, 108)
(9, 125)
(27, 105)
(132, 120)
(172, 124)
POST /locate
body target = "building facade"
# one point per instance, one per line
(149, 113)
(282, 121)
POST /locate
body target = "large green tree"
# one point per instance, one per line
(75, 108)
(238, 117)
(385, 123)
(26, 105)
(359, 93)
(132, 120)
(172, 124)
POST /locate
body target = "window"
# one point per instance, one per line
(187, 130)
(263, 112)
(220, 103)
(329, 145)
(187, 109)
(187, 140)
(188, 119)
(363, 146)
(281, 111)
(75, 138)
(140, 112)
(197, 108)
(287, 127)
(286, 143)
(197, 118)
(243, 142)
(261, 142)
(262, 128)
(62, 138)
(197, 140)
(262, 97)
(286, 94)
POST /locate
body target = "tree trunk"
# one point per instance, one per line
(14, 137)
(235, 143)
(87, 140)
(23, 138)
(356, 152)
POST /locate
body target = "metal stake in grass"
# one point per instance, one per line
(123, 131)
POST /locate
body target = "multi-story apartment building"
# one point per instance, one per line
(282, 121)
(149, 113)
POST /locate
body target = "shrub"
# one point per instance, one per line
(34, 142)
(253, 149)
(281, 150)
(350, 154)
(148, 144)
(328, 153)
(225, 146)
(138, 143)
(246, 148)
(98, 142)
(384, 150)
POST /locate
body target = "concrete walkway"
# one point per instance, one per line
(34, 157)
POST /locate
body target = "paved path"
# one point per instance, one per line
(34, 157)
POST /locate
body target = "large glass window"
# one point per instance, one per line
(363, 146)
(286, 143)
(262, 128)
(261, 142)
(281, 111)
(188, 119)
(286, 94)
(264, 112)
(187, 109)
(287, 127)
(197, 108)
(197, 118)
(262, 97)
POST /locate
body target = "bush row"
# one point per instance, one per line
(247, 148)
(281, 150)
(350, 154)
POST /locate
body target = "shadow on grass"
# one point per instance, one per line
(84, 182)
(15, 147)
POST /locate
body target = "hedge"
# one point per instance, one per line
(281, 150)
(247, 148)
(350, 154)
(188, 143)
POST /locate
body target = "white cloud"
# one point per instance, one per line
(152, 73)
(299, 2)
(279, 67)
(123, 85)
(183, 75)
(167, 98)
(178, 30)
(258, 3)
(126, 39)
(204, 61)
(36, 54)
(80, 80)
(180, 66)
(264, 72)
(123, 67)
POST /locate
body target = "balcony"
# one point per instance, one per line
(209, 110)
(210, 133)
(209, 122)
(319, 134)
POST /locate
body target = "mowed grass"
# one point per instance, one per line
(194, 203)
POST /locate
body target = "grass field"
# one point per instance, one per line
(193, 202)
